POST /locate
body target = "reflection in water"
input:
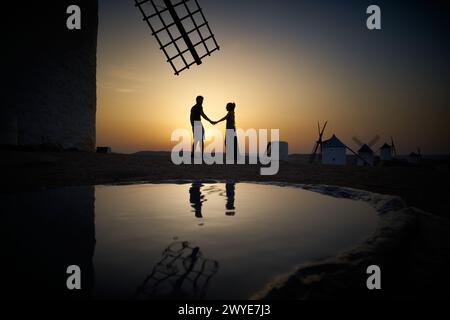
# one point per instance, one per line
(48, 231)
(182, 272)
(229, 187)
(196, 198)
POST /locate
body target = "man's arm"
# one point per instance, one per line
(206, 117)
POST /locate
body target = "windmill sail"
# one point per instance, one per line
(181, 30)
(318, 142)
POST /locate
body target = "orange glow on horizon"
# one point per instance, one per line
(140, 101)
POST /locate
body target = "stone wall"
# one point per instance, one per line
(50, 78)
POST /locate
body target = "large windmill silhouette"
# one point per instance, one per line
(181, 30)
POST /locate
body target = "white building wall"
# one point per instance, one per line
(385, 154)
(334, 156)
(366, 156)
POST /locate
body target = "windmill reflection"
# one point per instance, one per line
(182, 272)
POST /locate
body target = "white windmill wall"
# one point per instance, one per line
(334, 156)
(386, 154)
(366, 156)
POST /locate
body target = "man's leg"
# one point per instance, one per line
(203, 141)
(235, 148)
(193, 142)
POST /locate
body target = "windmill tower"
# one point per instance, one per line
(334, 151)
(365, 152)
(386, 152)
(319, 142)
(415, 157)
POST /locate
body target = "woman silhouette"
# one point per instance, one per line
(231, 130)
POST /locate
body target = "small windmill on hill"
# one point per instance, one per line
(334, 145)
(365, 152)
(415, 157)
(388, 151)
(319, 142)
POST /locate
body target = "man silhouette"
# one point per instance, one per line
(196, 123)
(196, 198)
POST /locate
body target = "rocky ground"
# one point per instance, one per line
(422, 187)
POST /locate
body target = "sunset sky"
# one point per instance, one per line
(287, 65)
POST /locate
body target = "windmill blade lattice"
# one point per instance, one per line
(181, 30)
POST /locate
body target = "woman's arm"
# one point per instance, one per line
(224, 118)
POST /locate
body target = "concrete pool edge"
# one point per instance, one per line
(344, 274)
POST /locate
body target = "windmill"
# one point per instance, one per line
(415, 157)
(387, 151)
(365, 151)
(181, 30)
(319, 142)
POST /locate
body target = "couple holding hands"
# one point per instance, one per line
(197, 127)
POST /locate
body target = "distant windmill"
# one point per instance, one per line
(365, 151)
(319, 142)
(415, 157)
(387, 151)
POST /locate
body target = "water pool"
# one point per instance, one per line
(213, 241)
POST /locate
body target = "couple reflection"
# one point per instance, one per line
(196, 197)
